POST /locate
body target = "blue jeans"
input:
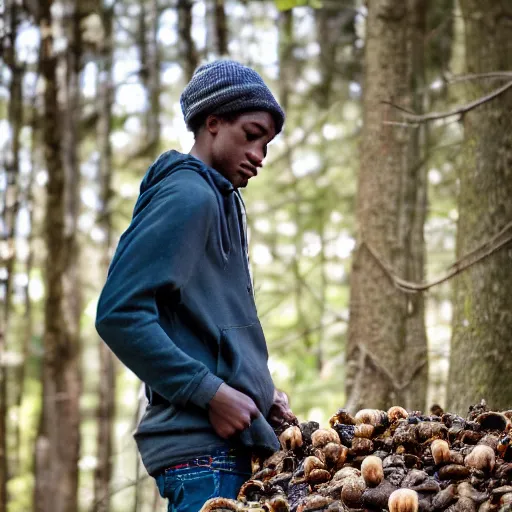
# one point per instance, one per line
(188, 488)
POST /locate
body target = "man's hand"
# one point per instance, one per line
(280, 410)
(231, 411)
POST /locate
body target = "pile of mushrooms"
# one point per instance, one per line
(377, 460)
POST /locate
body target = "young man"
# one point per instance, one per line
(178, 306)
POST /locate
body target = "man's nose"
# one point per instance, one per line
(255, 158)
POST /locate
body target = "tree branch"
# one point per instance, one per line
(410, 117)
(497, 242)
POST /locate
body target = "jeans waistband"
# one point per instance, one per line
(209, 459)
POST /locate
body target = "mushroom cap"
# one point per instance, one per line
(311, 463)
(396, 413)
(481, 457)
(403, 500)
(453, 472)
(352, 492)
(314, 502)
(322, 436)
(250, 487)
(362, 446)
(335, 454)
(343, 417)
(364, 430)
(372, 471)
(318, 476)
(291, 438)
(346, 472)
(374, 417)
(220, 503)
(493, 421)
(440, 451)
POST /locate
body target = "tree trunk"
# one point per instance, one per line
(286, 60)
(387, 347)
(150, 63)
(107, 383)
(188, 52)
(57, 445)
(11, 205)
(217, 36)
(480, 362)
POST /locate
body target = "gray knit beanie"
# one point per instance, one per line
(226, 86)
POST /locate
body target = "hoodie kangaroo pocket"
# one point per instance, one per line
(242, 363)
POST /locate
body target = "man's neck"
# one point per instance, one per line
(199, 152)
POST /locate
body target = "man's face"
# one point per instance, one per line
(240, 146)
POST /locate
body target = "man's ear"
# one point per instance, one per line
(212, 124)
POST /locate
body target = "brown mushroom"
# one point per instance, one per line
(323, 436)
(364, 430)
(220, 503)
(493, 421)
(362, 446)
(314, 502)
(403, 500)
(318, 476)
(481, 457)
(277, 503)
(335, 455)
(291, 438)
(343, 417)
(440, 451)
(374, 417)
(345, 473)
(453, 472)
(371, 471)
(352, 492)
(250, 490)
(396, 413)
(506, 500)
(312, 463)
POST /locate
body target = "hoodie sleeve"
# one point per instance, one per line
(160, 248)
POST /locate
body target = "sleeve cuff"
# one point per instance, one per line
(206, 390)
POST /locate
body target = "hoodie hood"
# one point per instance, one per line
(172, 161)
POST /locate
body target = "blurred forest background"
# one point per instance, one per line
(387, 197)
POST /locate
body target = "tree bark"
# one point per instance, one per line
(387, 347)
(217, 36)
(107, 382)
(480, 362)
(57, 445)
(286, 60)
(10, 205)
(186, 43)
(150, 62)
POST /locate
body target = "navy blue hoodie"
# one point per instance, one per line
(178, 310)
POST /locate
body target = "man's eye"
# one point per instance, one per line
(251, 136)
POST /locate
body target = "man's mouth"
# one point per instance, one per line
(248, 171)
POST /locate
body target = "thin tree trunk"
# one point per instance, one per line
(57, 446)
(150, 62)
(19, 378)
(217, 37)
(286, 61)
(387, 348)
(186, 43)
(153, 83)
(480, 362)
(10, 214)
(221, 27)
(107, 383)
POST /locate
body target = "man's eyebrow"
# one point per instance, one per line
(260, 126)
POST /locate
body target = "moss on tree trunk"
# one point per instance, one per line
(481, 361)
(387, 347)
